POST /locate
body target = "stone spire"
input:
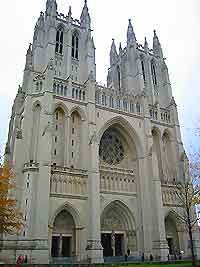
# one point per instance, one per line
(40, 22)
(70, 12)
(113, 53)
(85, 17)
(146, 45)
(120, 47)
(131, 39)
(29, 57)
(157, 49)
(51, 8)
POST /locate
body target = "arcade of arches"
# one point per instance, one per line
(118, 233)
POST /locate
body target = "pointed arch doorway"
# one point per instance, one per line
(63, 235)
(172, 236)
(118, 233)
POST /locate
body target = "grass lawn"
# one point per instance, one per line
(178, 264)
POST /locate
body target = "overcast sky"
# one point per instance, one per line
(178, 27)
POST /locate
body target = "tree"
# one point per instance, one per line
(11, 220)
(188, 196)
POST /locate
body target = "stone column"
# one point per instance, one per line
(67, 141)
(160, 246)
(145, 209)
(42, 187)
(94, 248)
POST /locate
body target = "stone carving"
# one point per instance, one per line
(93, 138)
(48, 128)
(117, 179)
(94, 245)
(39, 78)
(19, 134)
(65, 183)
(7, 149)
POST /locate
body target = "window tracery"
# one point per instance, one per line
(111, 148)
(153, 73)
(75, 46)
(59, 41)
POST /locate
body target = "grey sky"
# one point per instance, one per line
(177, 23)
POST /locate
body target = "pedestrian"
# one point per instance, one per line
(20, 261)
(128, 252)
(151, 257)
(26, 259)
(142, 256)
(126, 257)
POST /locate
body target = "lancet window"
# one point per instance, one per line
(153, 73)
(59, 41)
(75, 139)
(143, 70)
(59, 137)
(75, 46)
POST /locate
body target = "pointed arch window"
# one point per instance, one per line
(118, 103)
(83, 95)
(131, 106)
(75, 45)
(61, 90)
(59, 41)
(125, 105)
(118, 77)
(73, 92)
(153, 73)
(143, 69)
(111, 102)
(65, 91)
(97, 98)
(138, 109)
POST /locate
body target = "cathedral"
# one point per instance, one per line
(96, 166)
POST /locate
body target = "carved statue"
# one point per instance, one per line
(48, 128)
(93, 138)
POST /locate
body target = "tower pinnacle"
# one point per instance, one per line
(146, 45)
(113, 53)
(157, 49)
(85, 17)
(130, 34)
(51, 7)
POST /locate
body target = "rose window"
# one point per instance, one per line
(111, 149)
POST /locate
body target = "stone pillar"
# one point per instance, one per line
(40, 224)
(67, 139)
(160, 246)
(94, 248)
(145, 209)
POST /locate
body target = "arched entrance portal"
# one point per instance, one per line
(117, 230)
(172, 235)
(63, 235)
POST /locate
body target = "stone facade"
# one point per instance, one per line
(96, 166)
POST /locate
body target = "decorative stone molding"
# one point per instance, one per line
(19, 134)
(94, 245)
(68, 181)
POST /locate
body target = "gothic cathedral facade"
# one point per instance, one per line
(96, 166)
